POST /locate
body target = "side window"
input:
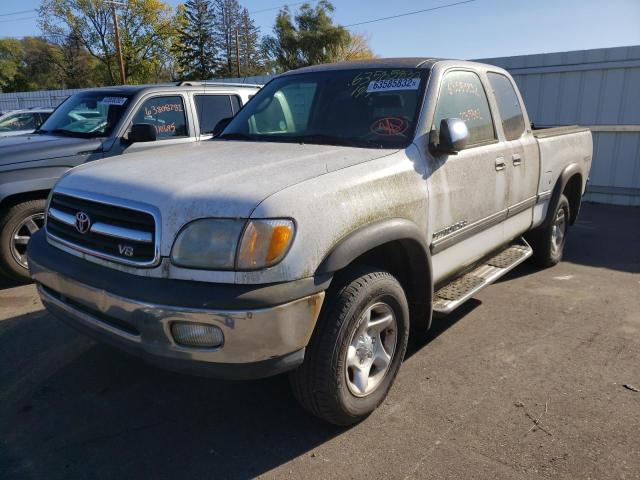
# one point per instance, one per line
(462, 96)
(508, 106)
(164, 113)
(19, 121)
(42, 116)
(211, 109)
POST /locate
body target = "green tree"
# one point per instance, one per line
(28, 64)
(252, 60)
(309, 38)
(228, 14)
(195, 50)
(11, 57)
(146, 32)
(76, 67)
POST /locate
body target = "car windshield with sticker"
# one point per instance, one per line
(90, 114)
(371, 108)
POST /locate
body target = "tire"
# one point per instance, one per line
(17, 225)
(548, 242)
(329, 383)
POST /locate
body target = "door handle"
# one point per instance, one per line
(500, 165)
(517, 159)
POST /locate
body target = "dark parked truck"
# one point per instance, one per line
(96, 124)
(343, 205)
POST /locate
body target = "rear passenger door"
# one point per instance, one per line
(210, 109)
(521, 155)
(467, 191)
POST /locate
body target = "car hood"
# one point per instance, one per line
(217, 178)
(28, 148)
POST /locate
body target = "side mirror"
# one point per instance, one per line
(220, 126)
(142, 132)
(454, 136)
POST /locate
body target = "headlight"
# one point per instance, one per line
(264, 243)
(216, 243)
(208, 243)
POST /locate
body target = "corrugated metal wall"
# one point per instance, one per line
(45, 98)
(600, 89)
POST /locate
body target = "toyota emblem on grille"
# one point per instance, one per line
(83, 222)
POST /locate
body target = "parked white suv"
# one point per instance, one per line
(343, 204)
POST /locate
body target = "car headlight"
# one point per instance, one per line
(226, 243)
(208, 243)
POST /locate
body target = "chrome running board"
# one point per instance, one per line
(460, 289)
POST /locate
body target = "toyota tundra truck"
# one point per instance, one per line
(343, 207)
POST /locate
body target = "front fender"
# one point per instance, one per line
(29, 180)
(367, 238)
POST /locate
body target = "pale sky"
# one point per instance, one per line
(481, 29)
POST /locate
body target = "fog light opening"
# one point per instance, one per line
(197, 335)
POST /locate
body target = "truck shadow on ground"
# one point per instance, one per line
(6, 283)
(71, 406)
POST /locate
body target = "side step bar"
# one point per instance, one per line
(460, 289)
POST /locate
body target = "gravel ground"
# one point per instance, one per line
(556, 346)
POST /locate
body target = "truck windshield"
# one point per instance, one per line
(371, 108)
(86, 115)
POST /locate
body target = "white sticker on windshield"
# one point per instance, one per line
(393, 84)
(114, 100)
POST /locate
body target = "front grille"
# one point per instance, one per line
(115, 232)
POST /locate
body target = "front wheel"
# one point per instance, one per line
(17, 226)
(357, 348)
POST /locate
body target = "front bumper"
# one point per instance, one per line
(258, 342)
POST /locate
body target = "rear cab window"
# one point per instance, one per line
(166, 114)
(462, 96)
(213, 108)
(513, 123)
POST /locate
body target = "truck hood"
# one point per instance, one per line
(215, 178)
(28, 148)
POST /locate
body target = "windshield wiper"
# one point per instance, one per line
(70, 133)
(236, 136)
(324, 139)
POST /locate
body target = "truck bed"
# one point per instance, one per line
(545, 132)
(560, 147)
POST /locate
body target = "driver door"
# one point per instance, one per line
(467, 191)
(168, 114)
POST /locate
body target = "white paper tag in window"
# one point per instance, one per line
(393, 84)
(114, 100)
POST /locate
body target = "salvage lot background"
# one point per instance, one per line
(463, 406)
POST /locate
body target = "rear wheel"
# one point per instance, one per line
(357, 348)
(548, 242)
(17, 226)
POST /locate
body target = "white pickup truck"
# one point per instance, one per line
(343, 204)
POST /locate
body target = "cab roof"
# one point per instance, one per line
(401, 62)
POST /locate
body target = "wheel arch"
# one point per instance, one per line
(570, 184)
(395, 245)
